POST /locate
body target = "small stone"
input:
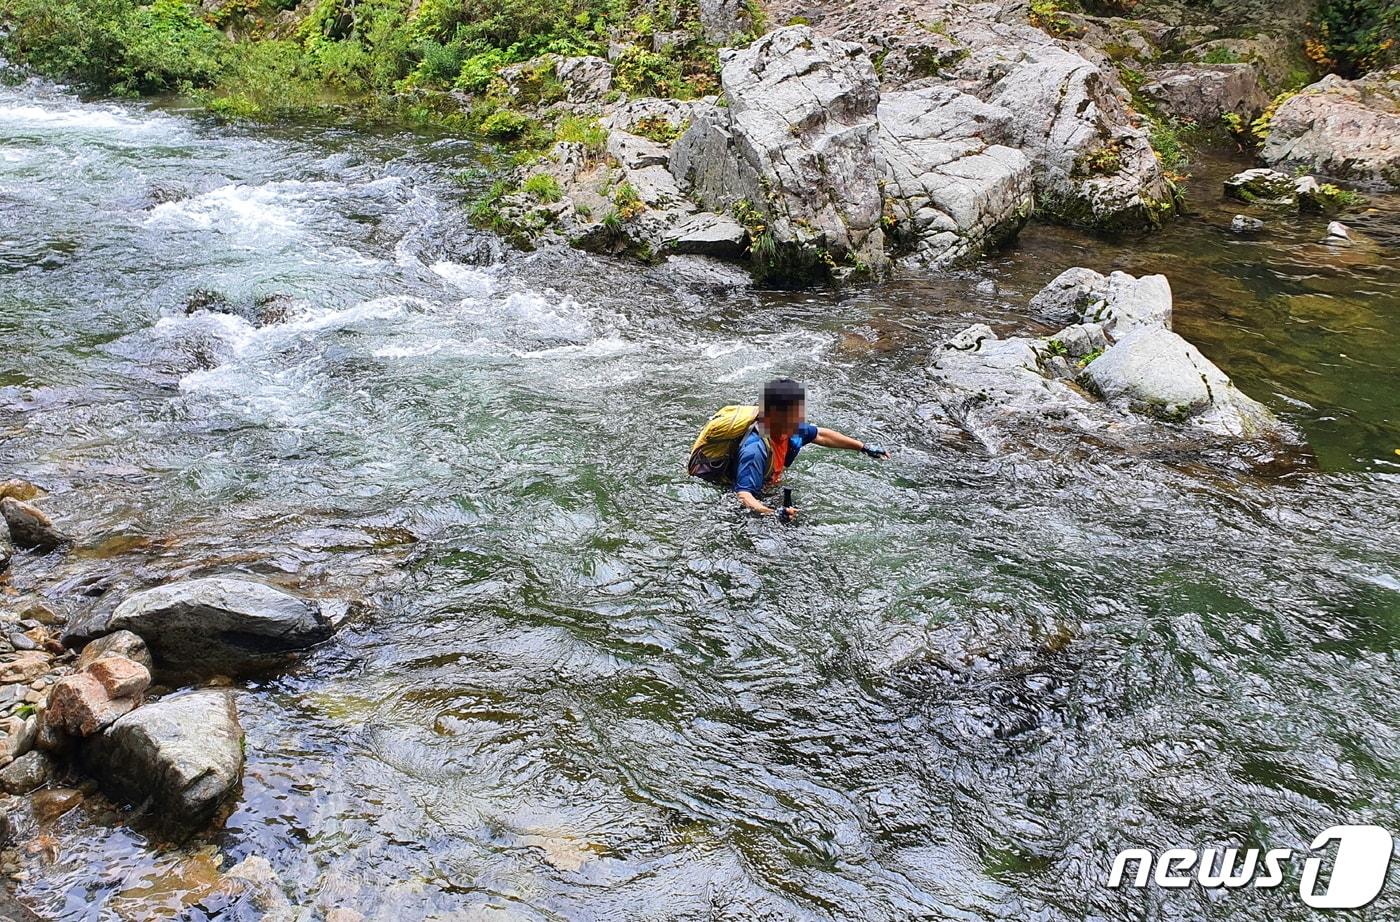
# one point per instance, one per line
(21, 490)
(119, 643)
(52, 803)
(120, 676)
(23, 667)
(26, 773)
(1243, 224)
(80, 705)
(30, 527)
(22, 642)
(1337, 230)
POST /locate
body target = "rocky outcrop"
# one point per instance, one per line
(1348, 129)
(796, 144)
(1154, 371)
(1206, 93)
(30, 527)
(952, 189)
(581, 79)
(178, 759)
(722, 21)
(1115, 372)
(219, 625)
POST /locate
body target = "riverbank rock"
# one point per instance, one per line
(118, 643)
(22, 490)
(1243, 224)
(24, 774)
(1264, 186)
(7, 547)
(1348, 129)
(1206, 93)
(30, 527)
(179, 759)
(796, 144)
(951, 187)
(16, 737)
(220, 625)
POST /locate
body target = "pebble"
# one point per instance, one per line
(21, 642)
(52, 803)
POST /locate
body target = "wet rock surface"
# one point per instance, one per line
(219, 625)
(179, 759)
(1109, 373)
(30, 527)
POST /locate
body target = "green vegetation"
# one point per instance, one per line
(248, 58)
(1259, 128)
(1356, 36)
(543, 187)
(1221, 55)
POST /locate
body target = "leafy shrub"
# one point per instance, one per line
(1356, 36)
(543, 187)
(505, 124)
(583, 130)
(115, 45)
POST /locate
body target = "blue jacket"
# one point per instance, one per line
(753, 458)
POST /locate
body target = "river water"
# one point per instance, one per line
(584, 687)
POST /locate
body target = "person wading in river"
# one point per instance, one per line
(737, 444)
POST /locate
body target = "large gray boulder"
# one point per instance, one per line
(1093, 165)
(1154, 371)
(953, 188)
(178, 759)
(1119, 302)
(1348, 129)
(796, 144)
(1206, 93)
(220, 625)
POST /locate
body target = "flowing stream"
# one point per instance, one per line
(585, 687)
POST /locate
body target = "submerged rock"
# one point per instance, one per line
(30, 527)
(220, 625)
(179, 758)
(1341, 128)
(22, 490)
(796, 143)
(1337, 231)
(1243, 224)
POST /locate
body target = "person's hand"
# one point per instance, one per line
(787, 514)
(875, 451)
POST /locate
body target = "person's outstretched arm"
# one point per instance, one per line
(830, 438)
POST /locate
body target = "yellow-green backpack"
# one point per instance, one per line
(715, 453)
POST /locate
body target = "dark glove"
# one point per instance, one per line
(875, 451)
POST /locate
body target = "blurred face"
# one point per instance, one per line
(787, 419)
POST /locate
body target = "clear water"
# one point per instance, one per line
(585, 687)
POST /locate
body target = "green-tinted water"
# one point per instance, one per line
(588, 688)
